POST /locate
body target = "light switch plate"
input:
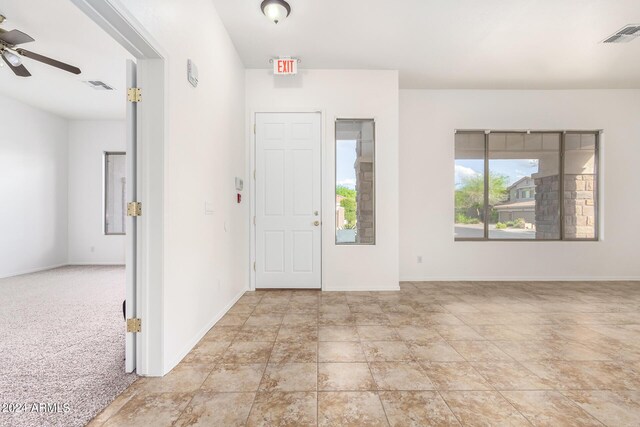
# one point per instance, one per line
(239, 184)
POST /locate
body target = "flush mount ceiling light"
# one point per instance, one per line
(276, 10)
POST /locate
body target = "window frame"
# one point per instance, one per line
(105, 192)
(375, 179)
(562, 133)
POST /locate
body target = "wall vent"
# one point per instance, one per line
(98, 85)
(625, 35)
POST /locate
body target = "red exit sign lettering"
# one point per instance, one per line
(285, 66)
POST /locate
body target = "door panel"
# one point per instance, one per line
(288, 200)
(130, 238)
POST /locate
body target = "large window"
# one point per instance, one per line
(526, 185)
(114, 193)
(355, 182)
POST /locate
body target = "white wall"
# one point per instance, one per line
(205, 268)
(88, 140)
(33, 189)
(428, 119)
(344, 94)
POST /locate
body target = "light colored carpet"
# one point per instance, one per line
(62, 342)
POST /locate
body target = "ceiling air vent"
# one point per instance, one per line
(98, 85)
(625, 35)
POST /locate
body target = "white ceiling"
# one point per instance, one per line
(502, 44)
(61, 31)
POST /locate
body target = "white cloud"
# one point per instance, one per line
(463, 172)
(349, 183)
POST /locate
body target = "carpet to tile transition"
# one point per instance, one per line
(61, 345)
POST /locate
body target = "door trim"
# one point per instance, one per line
(251, 161)
(152, 136)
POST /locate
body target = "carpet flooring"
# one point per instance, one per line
(61, 345)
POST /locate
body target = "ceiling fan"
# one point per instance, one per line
(12, 55)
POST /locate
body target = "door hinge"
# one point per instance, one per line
(254, 266)
(134, 94)
(134, 209)
(254, 220)
(254, 174)
(134, 325)
(254, 128)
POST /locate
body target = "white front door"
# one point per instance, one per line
(288, 200)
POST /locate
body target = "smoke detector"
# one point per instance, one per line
(98, 85)
(625, 35)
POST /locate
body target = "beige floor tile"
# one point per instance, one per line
(510, 376)
(232, 320)
(301, 351)
(336, 319)
(338, 333)
(345, 377)
(417, 333)
(350, 409)
(436, 350)
(290, 377)
(340, 351)
(386, 351)
(549, 350)
(483, 408)
(475, 351)
(234, 378)
(300, 319)
(298, 333)
(400, 376)
(417, 408)
(150, 409)
(564, 375)
(247, 352)
(221, 333)
(613, 408)
(271, 319)
(455, 376)
(377, 333)
(549, 409)
(182, 379)
(371, 319)
(458, 332)
(266, 333)
(298, 409)
(217, 409)
(207, 353)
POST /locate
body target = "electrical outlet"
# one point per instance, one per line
(419, 259)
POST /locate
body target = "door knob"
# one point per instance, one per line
(316, 223)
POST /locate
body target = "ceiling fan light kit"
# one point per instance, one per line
(275, 10)
(12, 55)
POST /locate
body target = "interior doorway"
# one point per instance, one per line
(288, 214)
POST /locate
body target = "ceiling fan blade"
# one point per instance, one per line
(49, 61)
(15, 37)
(19, 71)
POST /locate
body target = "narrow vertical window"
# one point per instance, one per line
(114, 193)
(355, 182)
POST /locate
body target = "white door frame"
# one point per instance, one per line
(251, 154)
(152, 137)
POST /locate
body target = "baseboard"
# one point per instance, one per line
(523, 279)
(33, 270)
(201, 333)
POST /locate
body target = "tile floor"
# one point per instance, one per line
(436, 353)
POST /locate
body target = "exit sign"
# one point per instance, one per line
(285, 66)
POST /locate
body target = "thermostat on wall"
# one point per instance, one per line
(239, 184)
(192, 73)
